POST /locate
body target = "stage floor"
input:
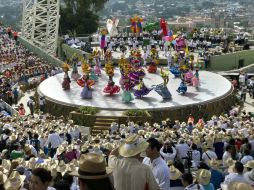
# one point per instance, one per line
(213, 87)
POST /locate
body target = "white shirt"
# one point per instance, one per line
(182, 150)
(225, 157)
(54, 139)
(246, 159)
(168, 156)
(196, 157)
(232, 177)
(211, 154)
(160, 172)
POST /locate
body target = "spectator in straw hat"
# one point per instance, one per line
(175, 179)
(187, 180)
(249, 177)
(239, 186)
(209, 154)
(3, 179)
(15, 181)
(158, 165)
(92, 173)
(203, 178)
(249, 165)
(216, 175)
(128, 171)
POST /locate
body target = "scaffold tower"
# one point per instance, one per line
(40, 23)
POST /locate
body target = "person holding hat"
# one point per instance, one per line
(128, 171)
(92, 173)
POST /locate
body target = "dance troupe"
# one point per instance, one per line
(132, 72)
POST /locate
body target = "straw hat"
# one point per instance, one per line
(13, 137)
(203, 176)
(249, 164)
(215, 164)
(249, 177)
(61, 167)
(60, 150)
(239, 186)
(6, 164)
(174, 173)
(132, 146)
(31, 163)
(3, 178)
(15, 181)
(91, 166)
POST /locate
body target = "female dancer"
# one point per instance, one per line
(142, 90)
(162, 89)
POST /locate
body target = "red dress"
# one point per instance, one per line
(111, 88)
(152, 68)
(81, 82)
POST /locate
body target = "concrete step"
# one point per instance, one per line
(102, 124)
(101, 127)
(105, 120)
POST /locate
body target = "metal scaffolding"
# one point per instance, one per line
(40, 23)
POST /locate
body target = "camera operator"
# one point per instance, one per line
(168, 152)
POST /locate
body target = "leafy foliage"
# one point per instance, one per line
(88, 110)
(80, 16)
(135, 112)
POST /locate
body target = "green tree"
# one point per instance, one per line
(80, 16)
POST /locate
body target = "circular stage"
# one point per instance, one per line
(213, 87)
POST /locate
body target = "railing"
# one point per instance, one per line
(9, 109)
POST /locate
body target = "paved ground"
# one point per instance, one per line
(249, 104)
(25, 98)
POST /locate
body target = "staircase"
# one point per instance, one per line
(102, 124)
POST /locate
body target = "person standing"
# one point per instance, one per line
(243, 93)
(42, 104)
(158, 165)
(128, 171)
(54, 141)
(31, 105)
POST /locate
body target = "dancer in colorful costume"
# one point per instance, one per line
(182, 88)
(84, 80)
(195, 80)
(135, 72)
(175, 70)
(188, 76)
(96, 56)
(85, 67)
(87, 90)
(67, 80)
(75, 75)
(154, 62)
(127, 96)
(111, 88)
(93, 76)
(162, 89)
(142, 90)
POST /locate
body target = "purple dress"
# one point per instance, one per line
(142, 90)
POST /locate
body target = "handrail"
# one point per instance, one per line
(9, 108)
